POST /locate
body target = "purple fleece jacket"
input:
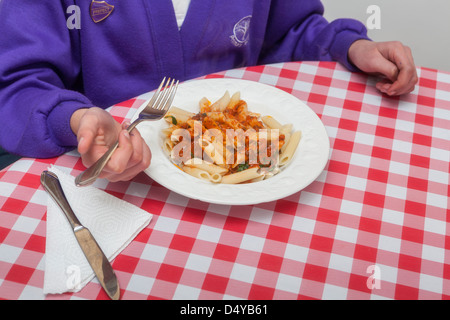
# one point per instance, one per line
(47, 70)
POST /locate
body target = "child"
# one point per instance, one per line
(62, 64)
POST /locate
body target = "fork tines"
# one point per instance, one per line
(165, 99)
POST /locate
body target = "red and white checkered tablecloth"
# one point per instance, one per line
(374, 225)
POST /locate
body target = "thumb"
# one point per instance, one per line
(385, 67)
(389, 60)
(86, 135)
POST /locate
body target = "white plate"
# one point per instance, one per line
(309, 161)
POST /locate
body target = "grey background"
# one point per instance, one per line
(422, 25)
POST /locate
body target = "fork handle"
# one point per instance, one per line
(91, 174)
(88, 176)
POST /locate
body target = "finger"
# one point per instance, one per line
(403, 85)
(384, 85)
(140, 160)
(406, 82)
(135, 170)
(125, 125)
(121, 156)
(137, 144)
(385, 67)
(138, 147)
(392, 89)
(401, 56)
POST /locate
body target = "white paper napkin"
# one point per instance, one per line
(114, 223)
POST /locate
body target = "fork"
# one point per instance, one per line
(154, 110)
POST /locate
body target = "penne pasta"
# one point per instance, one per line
(177, 134)
(241, 176)
(287, 136)
(216, 116)
(271, 122)
(289, 151)
(227, 143)
(201, 174)
(271, 173)
(206, 166)
(286, 128)
(176, 115)
(222, 103)
(260, 178)
(179, 111)
(166, 132)
(168, 146)
(269, 134)
(204, 105)
(213, 153)
(234, 100)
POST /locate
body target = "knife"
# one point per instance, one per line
(95, 256)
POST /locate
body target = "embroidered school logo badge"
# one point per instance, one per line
(100, 10)
(241, 32)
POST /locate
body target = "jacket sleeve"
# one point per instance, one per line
(298, 31)
(39, 67)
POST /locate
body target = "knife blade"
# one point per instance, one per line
(94, 254)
